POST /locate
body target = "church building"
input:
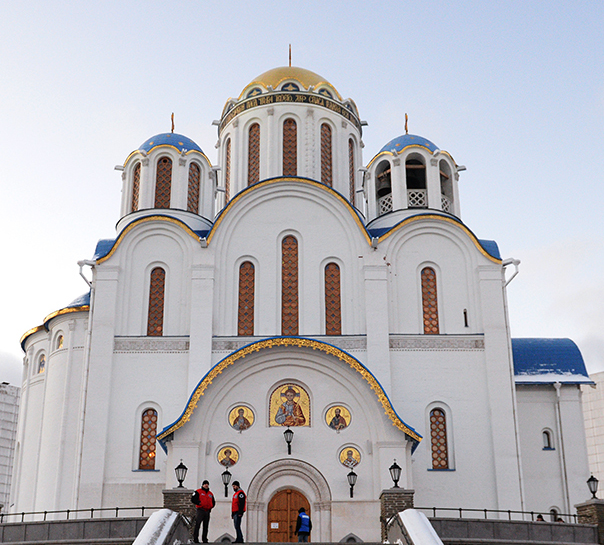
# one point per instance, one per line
(292, 287)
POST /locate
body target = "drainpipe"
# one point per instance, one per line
(565, 492)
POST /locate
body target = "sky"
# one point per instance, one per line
(513, 90)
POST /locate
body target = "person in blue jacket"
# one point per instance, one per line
(303, 526)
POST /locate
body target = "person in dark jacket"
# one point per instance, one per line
(205, 502)
(303, 525)
(237, 510)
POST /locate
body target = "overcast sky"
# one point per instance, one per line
(513, 90)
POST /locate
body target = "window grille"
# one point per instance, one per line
(290, 148)
(227, 173)
(146, 459)
(438, 439)
(163, 183)
(417, 198)
(289, 286)
(253, 164)
(245, 320)
(326, 159)
(136, 187)
(155, 320)
(333, 307)
(385, 204)
(351, 170)
(430, 301)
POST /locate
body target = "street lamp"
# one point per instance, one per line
(395, 473)
(592, 484)
(352, 480)
(181, 472)
(289, 435)
(226, 479)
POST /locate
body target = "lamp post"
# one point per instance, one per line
(181, 472)
(395, 473)
(289, 435)
(352, 480)
(226, 479)
(592, 484)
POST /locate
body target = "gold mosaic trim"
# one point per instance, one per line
(83, 308)
(421, 217)
(30, 332)
(145, 219)
(301, 343)
(287, 179)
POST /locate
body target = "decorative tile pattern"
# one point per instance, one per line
(421, 342)
(194, 188)
(150, 345)
(155, 320)
(163, 183)
(245, 318)
(253, 159)
(289, 286)
(290, 148)
(438, 439)
(429, 301)
(350, 344)
(227, 173)
(333, 308)
(146, 458)
(326, 159)
(136, 187)
(351, 169)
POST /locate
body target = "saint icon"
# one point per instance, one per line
(350, 457)
(337, 418)
(241, 418)
(290, 413)
(228, 456)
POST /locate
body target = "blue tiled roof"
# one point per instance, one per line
(103, 247)
(399, 144)
(548, 361)
(179, 141)
(80, 301)
(490, 247)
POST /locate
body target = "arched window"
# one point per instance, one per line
(245, 318)
(42, 363)
(163, 183)
(290, 148)
(326, 159)
(253, 155)
(227, 173)
(289, 286)
(333, 307)
(351, 170)
(554, 514)
(547, 440)
(155, 320)
(416, 183)
(446, 186)
(383, 188)
(429, 301)
(193, 192)
(136, 187)
(59, 342)
(438, 439)
(146, 459)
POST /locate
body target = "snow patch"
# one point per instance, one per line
(157, 528)
(418, 528)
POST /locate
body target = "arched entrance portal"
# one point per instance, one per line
(282, 514)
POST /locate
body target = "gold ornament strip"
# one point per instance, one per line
(300, 343)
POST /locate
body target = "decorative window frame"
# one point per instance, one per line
(188, 166)
(279, 284)
(334, 149)
(156, 161)
(137, 435)
(326, 261)
(246, 138)
(439, 297)
(237, 267)
(130, 174)
(450, 435)
(147, 299)
(299, 125)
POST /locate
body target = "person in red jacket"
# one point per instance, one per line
(237, 510)
(205, 502)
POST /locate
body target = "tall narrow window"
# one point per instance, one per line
(547, 440)
(430, 301)
(59, 342)
(326, 162)
(253, 155)
(146, 459)
(163, 183)
(333, 307)
(136, 187)
(289, 286)
(155, 321)
(245, 319)
(351, 170)
(227, 173)
(193, 192)
(438, 439)
(42, 364)
(290, 148)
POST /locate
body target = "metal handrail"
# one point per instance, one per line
(508, 512)
(70, 512)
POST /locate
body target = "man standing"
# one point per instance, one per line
(204, 500)
(303, 525)
(237, 510)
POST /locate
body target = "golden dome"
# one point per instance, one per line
(275, 77)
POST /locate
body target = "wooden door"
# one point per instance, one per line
(282, 515)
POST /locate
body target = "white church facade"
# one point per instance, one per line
(293, 286)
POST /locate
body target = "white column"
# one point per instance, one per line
(147, 185)
(433, 184)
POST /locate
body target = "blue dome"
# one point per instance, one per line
(177, 141)
(400, 143)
